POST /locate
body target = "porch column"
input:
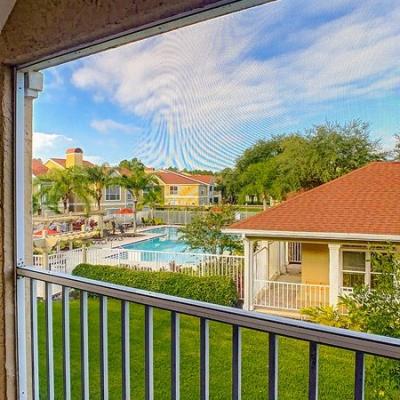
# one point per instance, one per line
(248, 274)
(334, 273)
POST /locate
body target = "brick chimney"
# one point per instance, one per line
(74, 157)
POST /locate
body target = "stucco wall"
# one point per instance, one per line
(37, 29)
(315, 263)
(7, 310)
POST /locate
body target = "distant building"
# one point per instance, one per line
(178, 189)
(187, 190)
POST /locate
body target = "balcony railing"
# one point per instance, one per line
(275, 327)
(289, 296)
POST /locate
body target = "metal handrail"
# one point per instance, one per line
(336, 337)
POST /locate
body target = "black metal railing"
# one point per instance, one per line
(360, 343)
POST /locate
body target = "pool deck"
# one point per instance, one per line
(141, 236)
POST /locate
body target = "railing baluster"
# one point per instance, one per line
(359, 384)
(175, 356)
(126, 388)
(66, 343)
(149, 378)
(49, 341)
(236, 362)
(273, 367)
(84, 345)
(204, 359)
(103, 348)
(313, 371)
(34, 340)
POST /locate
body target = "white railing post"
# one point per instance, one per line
(248, 274)
(334, 273)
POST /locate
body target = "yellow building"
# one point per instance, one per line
(312, 248)
(187, 190)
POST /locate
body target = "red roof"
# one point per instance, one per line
(174, 178)
(365, 201)
(38, 168)
(207, 179)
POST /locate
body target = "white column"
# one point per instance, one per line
(334, 273)
(248, 273)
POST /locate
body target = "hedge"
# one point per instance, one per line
(212, 289)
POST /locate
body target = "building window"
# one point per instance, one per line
(113, 193)
(129, 195)
(173, 190)
(354, 268)
(358, 268)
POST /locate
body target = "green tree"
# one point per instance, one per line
(261, 151)
(133, 164)
(260, 180)
(63, 185)
(228, 185)
(396, 150)
(334, 150)
(153, 198)
(205, 232)
(98, 178)
(135, 180)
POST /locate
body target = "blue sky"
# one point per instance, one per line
(198, 96)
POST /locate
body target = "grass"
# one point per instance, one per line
(336, 366)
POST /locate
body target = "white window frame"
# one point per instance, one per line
(109, 195)
(368, 271)
(173, 190)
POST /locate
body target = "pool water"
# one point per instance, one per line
(168, 241)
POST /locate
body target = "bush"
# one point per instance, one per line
(213, 289)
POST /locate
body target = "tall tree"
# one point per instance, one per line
(260, 180)
(135, 180)
(153, 197)
(63, 185)
(99, 177)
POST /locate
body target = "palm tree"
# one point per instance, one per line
(152, 197)
(62, 184)
(99, 177)
(135, 180)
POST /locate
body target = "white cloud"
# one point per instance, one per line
(204, 92)
(47, 145)
(109, 125)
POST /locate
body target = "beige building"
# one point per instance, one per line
(114, 197)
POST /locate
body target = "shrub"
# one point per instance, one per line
(213, 289)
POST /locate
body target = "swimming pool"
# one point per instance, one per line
(168, 241)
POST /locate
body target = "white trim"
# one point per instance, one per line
(369, 237)
(112, 187)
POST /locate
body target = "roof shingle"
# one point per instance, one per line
(364, 201)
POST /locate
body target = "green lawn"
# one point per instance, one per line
(336, 366)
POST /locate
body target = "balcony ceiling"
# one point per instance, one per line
(6, 7)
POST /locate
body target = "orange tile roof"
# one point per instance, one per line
(38, 168)
(364, 201)
(174, 178)
(207, 179)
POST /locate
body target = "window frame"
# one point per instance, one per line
(368, 272)
(107, 195)
(173, 190)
